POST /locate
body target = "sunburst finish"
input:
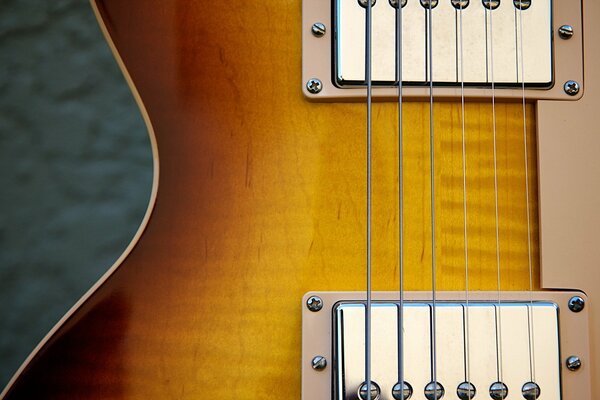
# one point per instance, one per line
(261, 198)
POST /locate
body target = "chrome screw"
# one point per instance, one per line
(396, 3)
(530, 391)
(319, 363)
(314, 85)
(573, 363)
(375, 391)
(314, 303)
(363, 3)
(460, 4)
(491, 4)
(402, 392)
(576, 304)
(498, 391)
(565, 32)
(434, 391)
(571, 88)
(466, 391)
(522, 5)
(318, 29)
(427, 4)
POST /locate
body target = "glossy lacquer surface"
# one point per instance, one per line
(261, 198)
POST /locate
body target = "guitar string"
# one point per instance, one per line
(432, 185)
(400, 201)
(432, 165)
(490, 12)
(525, 150)
(368, 76)
(464, 171)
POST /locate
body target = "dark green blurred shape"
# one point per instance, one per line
(75, 166)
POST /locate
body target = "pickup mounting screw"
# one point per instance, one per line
(576, 303)
(565, 32)
(319, 363)
(571, 88)
(314, 303)
(573, 363)
(314, 85)
(318, 29)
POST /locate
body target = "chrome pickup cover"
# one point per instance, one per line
(333, 37)
(491, 45)
(333, 343)
(498, 347)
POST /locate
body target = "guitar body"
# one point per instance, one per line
(259, 197)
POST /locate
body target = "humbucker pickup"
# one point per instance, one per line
(507, 46)
(480, 344)
(498, 349)
(491, 45)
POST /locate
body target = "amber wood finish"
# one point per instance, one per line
(261, 199)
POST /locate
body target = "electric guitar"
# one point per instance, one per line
(351, 200)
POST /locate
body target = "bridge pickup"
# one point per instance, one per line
(498, 347)
(519, 341)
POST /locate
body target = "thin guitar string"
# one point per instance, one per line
(499, 311)
(368, 77)
(432, 183)
(464, 168)
(525, 150)
(400, 201)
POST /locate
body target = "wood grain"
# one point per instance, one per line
(261, 199)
